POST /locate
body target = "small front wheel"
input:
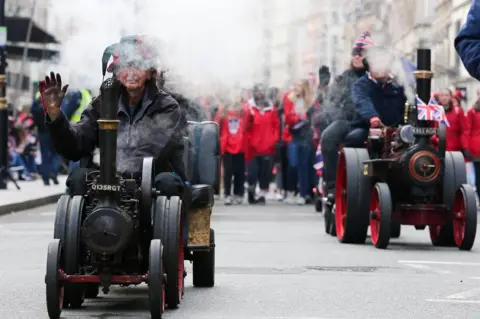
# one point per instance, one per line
(156, 280)
(54, 286)
(465, 217)
(380, 215)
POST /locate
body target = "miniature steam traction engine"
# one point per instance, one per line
(401, 177)
(124, 231)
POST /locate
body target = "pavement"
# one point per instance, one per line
(273, 262)
(31, 194)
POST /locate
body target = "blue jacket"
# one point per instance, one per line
(70, 103)
(386, 101)
(467, 42)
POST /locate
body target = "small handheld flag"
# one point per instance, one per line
(431, 111)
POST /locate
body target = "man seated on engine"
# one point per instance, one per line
(151, 122)
(379, 101)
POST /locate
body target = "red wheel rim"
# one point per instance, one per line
(341, 197)
(181, 264)
(459, 214)
(61, 290)
(375, 215)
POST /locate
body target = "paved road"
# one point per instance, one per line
(273, 262)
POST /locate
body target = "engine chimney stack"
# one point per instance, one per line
(424, 74)
(108, 122)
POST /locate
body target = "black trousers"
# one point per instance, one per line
(336, 134)
(283, 167)
(260, 170)
(234, 167)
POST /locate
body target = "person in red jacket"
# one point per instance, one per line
(233, 143)
(471, 136)
(263, 133)
(456, 119)
(300, 147)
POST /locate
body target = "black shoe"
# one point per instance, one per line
(55, 180)
(251, 198)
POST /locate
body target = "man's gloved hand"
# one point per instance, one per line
(468, 155)
(324, 75)
(52, 94)
(375, 122)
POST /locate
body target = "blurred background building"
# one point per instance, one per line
(309, 33)
(305, 35)
(27, 26)
(298, 37)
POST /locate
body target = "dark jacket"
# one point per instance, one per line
(372, 99)
(156, 130)
(338, 103)
(190, 109)
(467, 42)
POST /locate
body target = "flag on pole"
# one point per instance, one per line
(431, 111)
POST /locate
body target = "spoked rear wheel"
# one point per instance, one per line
(352, 196)
(156, 280)
(54, 286)
(442, 235)
(380, 215)
(396, 229)
(465, 217)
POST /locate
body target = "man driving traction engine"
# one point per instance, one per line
(378, 101)
(150, 121)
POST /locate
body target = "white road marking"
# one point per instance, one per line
(432, 262)
(454, 301)
(46, 214)
(428, 268)
(478, 278)
(465, 294)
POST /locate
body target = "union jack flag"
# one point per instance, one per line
(431, 111)
(425, 112)
(318, 159)
(438, 112)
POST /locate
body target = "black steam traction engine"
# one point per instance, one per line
(124, 231)
(401, 177)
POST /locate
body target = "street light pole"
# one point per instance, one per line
(3, 100)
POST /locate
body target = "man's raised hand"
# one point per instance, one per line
(52, 94)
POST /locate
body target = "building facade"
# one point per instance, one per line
(305, 35)
(22, 74)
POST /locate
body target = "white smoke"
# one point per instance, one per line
(204, 42)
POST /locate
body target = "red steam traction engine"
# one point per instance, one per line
(402, 178)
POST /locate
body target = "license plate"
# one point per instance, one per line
(424, 131)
